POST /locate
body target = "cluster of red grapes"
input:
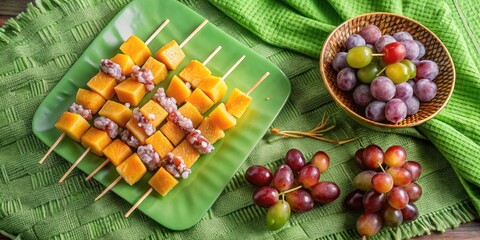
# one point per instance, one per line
(385, 88)
(386, 189)
(294, 186)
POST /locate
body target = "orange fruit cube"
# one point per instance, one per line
(221, 118)
(152, 108)
(237, 103)
(96, 140)
(158, 69)
(191, 112)
(103, 84)
(137, 131)
(170, 54)
(73, 125)
(89, 100)
(188, 153)
(194, 73)
(200, 100)
(210, 131)
(136, 49)
(132, 169)
(117, 152)
(178, 90)
(214, 87)
(117, 112)
(125, 62)
(173, 132)
(162, 181)
(130, 91)
(160, 143)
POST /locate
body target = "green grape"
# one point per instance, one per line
(397, 72)
(278, 215)
(368, 73)
(412, 68)
(382, 64)
(359, 57)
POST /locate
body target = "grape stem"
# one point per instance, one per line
(290, 190)
(364, 237)
(381, 167)
(381, 71)
(378, 54)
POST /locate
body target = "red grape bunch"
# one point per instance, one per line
(386, 189)
(294, 186)
(391, 87)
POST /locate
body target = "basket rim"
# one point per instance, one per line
(362, 118)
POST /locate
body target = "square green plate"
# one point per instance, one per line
(184, 206)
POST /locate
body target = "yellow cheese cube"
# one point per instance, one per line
(89, 100)
(178, 90)
(132, 169)
(158, 69)
(136, 49)
(170, 54)
(200, 100)
(194, 73)
(221, 118)
(137, 131)
(117, 112)
(214, 87)
(237, 103)
(103, 84)
(73, 125)
(117, 152)
(162, 181)
(125, 62)
(211, 132)
(130, 91)
(152, 108)
(187, 152)
(160, 143)
(96, 140)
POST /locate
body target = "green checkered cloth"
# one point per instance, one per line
(38, 47)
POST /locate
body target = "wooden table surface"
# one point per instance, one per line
(11, 8)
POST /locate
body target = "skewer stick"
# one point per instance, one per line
(104, 163)
(211, 55)
(108, 188)
(74, 165)
(145, 195)
(193, 33)
(233, 67)
(159, 29)
(257, 83)
(59, 139)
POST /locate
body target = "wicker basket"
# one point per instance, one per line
(389, 23)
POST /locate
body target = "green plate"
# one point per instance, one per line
(184, 206)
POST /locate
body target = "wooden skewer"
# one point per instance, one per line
(104, 163)
(159, 29)
(257, 83)
(145, 195)
(233, 67)
(54, 145)
(109, 187)
(193, 33)
(74, 165)
(211, 55)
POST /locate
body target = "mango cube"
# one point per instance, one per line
(200, 100)
(162, 181)
(89, 100)
(170, 54)
(191, 112)
(160, 143)
(173, 132)
(73, 125)
(237, 103)
(103, 84)
(155, 110)
(130, 91)
(125, 62)
(117, 152)
(194, 73)
(136, 49)
(178, 90)
(210, 131)
(187, 152)
(221, 118)
(214, 87)
(132, 169)
(117, 112)
(96, 140)
(137, 131)
(158, 69)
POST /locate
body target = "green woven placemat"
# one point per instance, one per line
(40, 46)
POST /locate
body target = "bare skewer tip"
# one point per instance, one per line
(233, 67)
(54, 145)
(258, 83)
(193, 33)
(159, 29)
(145, 195)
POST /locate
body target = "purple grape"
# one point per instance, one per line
(382, 88)
(426, 69)
(415, 61)
(412, 105)
(425, 90)
(375, 111)
(370, 33)
(412, 49)
(362, 95)
(411, 82)
(421, 49)
(346, 79)
(395, 110)
(371, 47)
(403, 91)
(402, 36)
(382, 41)
(339, 62)
(355, 40)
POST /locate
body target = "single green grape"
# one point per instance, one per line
(368, 73)
(412, 68)
(382, 64)
(359, 57)
(278, 215)
(397, 72)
